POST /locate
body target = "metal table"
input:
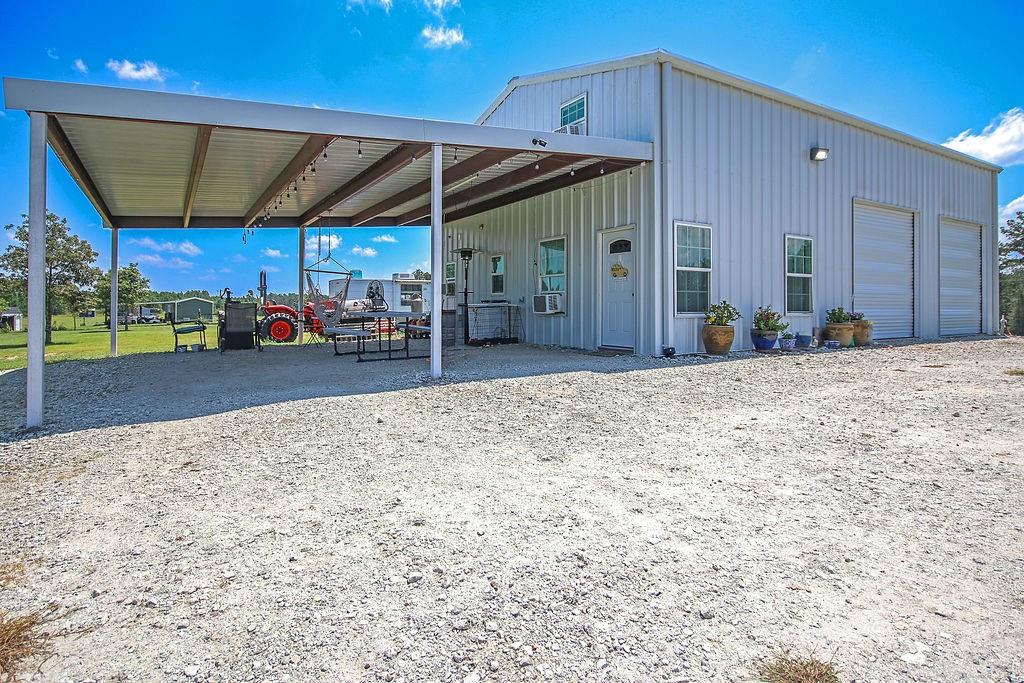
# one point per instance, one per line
(361, 319)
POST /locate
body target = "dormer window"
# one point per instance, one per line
(573, 116)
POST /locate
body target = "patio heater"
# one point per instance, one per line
(465, 255)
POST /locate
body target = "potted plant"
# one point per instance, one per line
(838, 327)
(787, 342)
(767, 326)
(718, 332)
(803, 341)
(861, 329)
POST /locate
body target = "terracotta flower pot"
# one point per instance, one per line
(840, 332)
(718, 339)
(862, 332)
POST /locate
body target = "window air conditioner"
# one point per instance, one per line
(573, 129)
(546, 304)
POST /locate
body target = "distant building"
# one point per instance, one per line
(11, 319)
(190, 308)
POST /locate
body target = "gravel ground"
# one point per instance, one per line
(538, 515)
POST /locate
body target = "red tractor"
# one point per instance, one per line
(280, 323)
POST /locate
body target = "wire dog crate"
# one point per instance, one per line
(493, 323)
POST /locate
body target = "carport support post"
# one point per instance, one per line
(36, 269)
(113, 292)
(300, 307)
(436, 261)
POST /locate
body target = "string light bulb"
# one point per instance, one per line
(359, 149)
(572, 170)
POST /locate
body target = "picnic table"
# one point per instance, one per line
(355, 326)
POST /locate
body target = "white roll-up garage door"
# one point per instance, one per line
(959, 277)
(883, 269)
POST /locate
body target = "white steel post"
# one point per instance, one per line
(436, 261)
(300, 307)
(113, 292)
(36, 269)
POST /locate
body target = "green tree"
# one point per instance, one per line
(1011, 272)
(68, 267)
(132, 289)
(420, 274)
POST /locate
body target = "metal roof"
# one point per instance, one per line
(700, 69)
(163, 160)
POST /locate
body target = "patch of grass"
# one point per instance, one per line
(22, 640)
(786, 667)
(1015, 372)
(12, 572)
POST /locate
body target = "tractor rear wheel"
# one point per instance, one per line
(279, 327)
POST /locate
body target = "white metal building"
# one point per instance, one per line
(614, 201)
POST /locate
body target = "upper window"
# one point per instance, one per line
(408, 292)
(620, 247)
(551, 265)
(449, 279)
(799, 274)
(574, 113)
(498, 274)
(693, 268)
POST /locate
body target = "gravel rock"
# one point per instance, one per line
(538, 514)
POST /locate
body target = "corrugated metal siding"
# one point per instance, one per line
(739, 162)
(622, 103)
(515, 230)
(959, 277)
(883, 269)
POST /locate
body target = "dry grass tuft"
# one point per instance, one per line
(785, 667)
(12, 572)
(23, 639)
(1015, 372)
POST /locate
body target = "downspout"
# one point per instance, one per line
(656, 219)
(667, 192)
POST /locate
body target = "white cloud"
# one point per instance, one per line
(1010, 210)
(270, 269)
(187, 248)
(273, 253)
(326, 242)
(439, 7)
(1001, 142)
(362, 4)
(365, 252)
(158, 261)
(127, 70)
(238, 258)
(52, 53)
(389, 238)
(443, 36)
(80, 66)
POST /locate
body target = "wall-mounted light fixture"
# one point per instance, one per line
(540, 142)
(819, 153)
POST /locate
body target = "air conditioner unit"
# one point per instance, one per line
(573, 129)
(546, 304)
(402, 276)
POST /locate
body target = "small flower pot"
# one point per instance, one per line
(763, 339)
(862, 332)
(803, 341)
(787, 344)
(840, 332)
(718, 339)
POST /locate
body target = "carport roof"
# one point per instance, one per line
(164, 160)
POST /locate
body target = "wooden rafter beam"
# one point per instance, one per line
(310, 149)
(503, 182)
(69, 157)
(453, 174)
(395, 160)
(559, 182)
(203, 134)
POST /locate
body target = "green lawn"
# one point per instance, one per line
(93, 341)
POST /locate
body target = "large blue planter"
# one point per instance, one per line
(763, 340)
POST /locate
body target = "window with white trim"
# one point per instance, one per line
(449, 279)
(574, 113)
(497, 274)
(408, 292)
(693, 268)
(551, 266)
(799, 274)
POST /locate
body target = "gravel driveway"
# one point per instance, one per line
(538, 515)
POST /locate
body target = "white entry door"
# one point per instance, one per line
(618, 289)
(883, 269)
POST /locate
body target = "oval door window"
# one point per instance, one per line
(620, 247)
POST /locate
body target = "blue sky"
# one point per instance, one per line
(938, 70)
